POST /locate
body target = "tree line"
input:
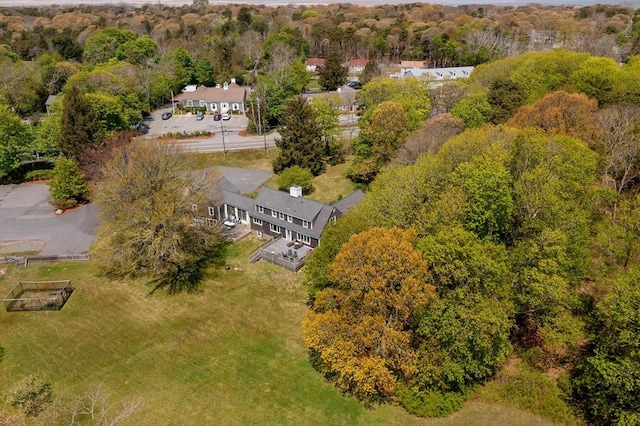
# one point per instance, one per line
(503, 225)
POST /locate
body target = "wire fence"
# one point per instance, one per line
(25, 260)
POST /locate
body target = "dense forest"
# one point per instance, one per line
(500, 233)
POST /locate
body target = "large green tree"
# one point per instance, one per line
(147, 228)
(607, 382)
(79, 126)
(333, 73)
(103, 45)
(300, 139)
(14, 140)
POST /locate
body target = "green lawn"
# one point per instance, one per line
(229, 354)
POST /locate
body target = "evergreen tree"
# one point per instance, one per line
(301, 139)
(370, 71)
(333, 74)
(79, 128)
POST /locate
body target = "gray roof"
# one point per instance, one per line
(450, 73)
(349, 201)
(242, 181)
(50, 100)
(299, 207)
(240, 201)
(319, 221)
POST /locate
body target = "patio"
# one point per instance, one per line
(284, 253)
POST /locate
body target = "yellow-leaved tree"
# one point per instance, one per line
(361, 330)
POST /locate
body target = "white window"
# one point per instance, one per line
(274, 213)
(332, 219)
(259, 234)
(257, 221)
(289, 219)
(235, 107)
(194, 208)
(189, 103)
(280, 216)
(260, 209)
(274, 228)
(203, 103)
(211, 222)
(305, 224)
(213, 107)
(304, 238)
(224, 106)
(212, 211)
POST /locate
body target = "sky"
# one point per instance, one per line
(633, 3)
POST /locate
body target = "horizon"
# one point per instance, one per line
(272, 3)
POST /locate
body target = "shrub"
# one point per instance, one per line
(430, 404)
(64, 203)
(296, 175)
(1, 354)
(38, 175)
(31, 396)
(67, 182)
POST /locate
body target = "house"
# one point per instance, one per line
(407, 65)
(272, 213)
(356, 66)
(228, 97)
(439, 74)
(346, 93)
(314, 64)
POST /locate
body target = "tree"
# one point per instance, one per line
(605, 382)
(203, 70)
(14, 140)
(147, 228)
(381, 134)
(31, 396)
(333, 74)
(370, 71)
(595, 78)
(619, 131)
(360, 332)
(474, 110)
(561, 113)
(326, 110)
(505, 97)
(79, 126)
(138, 51)
(300, 139)
(67, 183)
(103, 45)
(296, 175)
(429, 138)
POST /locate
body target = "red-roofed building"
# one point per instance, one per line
(356, 66)
(314, 64)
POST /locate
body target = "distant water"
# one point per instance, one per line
(40, 3)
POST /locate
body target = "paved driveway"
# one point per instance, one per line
(28, 222)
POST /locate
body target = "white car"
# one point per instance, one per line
(226, 116)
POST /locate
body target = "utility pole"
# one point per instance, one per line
(261, 130)
(224, 148)
(173, 107)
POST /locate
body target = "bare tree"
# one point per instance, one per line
(618, 125)
(429, 138)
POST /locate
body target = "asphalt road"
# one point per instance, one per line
(226, 133)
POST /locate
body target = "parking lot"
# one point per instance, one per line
(187, 123)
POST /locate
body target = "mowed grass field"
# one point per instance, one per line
(229, 354)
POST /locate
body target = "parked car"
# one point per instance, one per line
(226, 116)
(217, 116)
(166, 115)
(200, 116)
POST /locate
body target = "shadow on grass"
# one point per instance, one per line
(188, 277)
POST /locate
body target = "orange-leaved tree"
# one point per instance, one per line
(360, 331)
